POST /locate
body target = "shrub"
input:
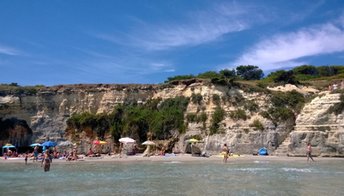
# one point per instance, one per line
(257, 125)
(191, 117)
(208, 75)
(202, 117)
(249, 72)
(180, 77)
(329, 70)
(238, 114)
(228, 73)
(217, 117)
(306, 70)
(196, 98)
(216, 99)
(137, 120)
(278, 114)
(282, 77)
(293, 100)
(219, 81)
(251, 106)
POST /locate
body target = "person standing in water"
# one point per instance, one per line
(35, 153)
(309, 152)
(225, 152)
(46, 161)
(26, 157)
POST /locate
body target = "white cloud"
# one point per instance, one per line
(287, 49)
(202, 27)
(169, 70)
(8, 51)
(189, 35)
(161, 67)
(197, 27)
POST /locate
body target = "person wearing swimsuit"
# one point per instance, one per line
(309, 152)
(46, 161)
(225, 152)
(35, 153)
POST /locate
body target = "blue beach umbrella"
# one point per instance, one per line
(35, 144)
(49, 144)
(8, 146)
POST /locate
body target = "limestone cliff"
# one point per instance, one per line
(47, 111)
(316, 125)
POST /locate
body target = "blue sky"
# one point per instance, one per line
(83, 41)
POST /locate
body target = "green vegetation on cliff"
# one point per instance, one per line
(161, 118)
(218, 115)
(319, 76)
(257, 125)
(305, 73)
(15, 89)
(284, 106)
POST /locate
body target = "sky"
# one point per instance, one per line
(134, 41)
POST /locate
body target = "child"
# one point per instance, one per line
(26, 157)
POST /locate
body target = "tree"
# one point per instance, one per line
(328, 70)
(228, 73)
(284, 77)
(249, 72)
(306, 70)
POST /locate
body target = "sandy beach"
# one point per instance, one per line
(177, 158)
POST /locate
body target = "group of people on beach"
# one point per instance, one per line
(226, 152)
(47, 156)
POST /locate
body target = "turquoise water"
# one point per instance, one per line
(175, 178)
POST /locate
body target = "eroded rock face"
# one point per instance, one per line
(324, 130)
(47, 112)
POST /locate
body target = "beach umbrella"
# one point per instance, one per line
(49, 144)
(65, 143)
(193, 140)
(35, 144)
(8, 146)
(148, 143)
(99, 142)
(126, 140)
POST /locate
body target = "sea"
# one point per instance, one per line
(253, 177)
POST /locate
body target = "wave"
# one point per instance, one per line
(172, 162)
(250, 169)
(300, 170)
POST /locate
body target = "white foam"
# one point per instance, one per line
(301, 170)
(172, 162)
(261, 162)
(251, 169)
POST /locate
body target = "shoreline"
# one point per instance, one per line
(179, 158)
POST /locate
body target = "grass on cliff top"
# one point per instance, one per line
(248, 78)
(15, 89)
